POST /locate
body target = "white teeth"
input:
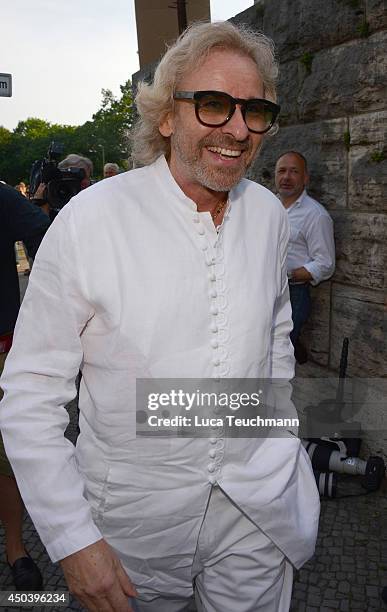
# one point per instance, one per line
(228, 152)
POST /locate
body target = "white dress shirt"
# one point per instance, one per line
(132, 282)
(311, 243)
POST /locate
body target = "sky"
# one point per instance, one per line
(61, 53)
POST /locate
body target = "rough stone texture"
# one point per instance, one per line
(323, 145)
(359, 315)
(376, 14)
(360, 249)
(369, 130)
(305, 26)
(367, 180)
(314, 334)
(343, 80)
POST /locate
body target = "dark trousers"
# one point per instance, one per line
(301, 307)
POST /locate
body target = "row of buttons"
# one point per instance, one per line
(212, 467)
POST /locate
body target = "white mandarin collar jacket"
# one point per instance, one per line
(132, 282)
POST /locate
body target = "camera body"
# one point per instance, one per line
(61, 185)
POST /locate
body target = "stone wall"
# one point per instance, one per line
(333, 95)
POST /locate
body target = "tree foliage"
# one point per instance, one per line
(103, 138)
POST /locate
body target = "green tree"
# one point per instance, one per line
(106, 133)
(110, 128)
(29, 141)
(5, 136)
(32, 128)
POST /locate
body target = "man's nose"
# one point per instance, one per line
(236, 126)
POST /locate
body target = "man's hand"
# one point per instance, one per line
(300, 275)
(39, 198)
(39, 193)
(96, 577)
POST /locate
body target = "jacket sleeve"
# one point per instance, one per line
(282, 352)
(26, 221)
(38, 381)
(321, 247)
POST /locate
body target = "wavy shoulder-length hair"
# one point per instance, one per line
(154, 101)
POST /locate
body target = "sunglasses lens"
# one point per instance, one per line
(213, 109)
(258, 116)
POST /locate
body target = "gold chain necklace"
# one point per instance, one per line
(218, 209)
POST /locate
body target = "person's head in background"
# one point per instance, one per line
(291, 176)
(110, 169)
(77, 161)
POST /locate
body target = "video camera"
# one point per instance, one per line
(61, 185)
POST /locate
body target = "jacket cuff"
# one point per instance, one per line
(70, 542)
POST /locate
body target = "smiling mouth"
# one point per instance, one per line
(226, 152)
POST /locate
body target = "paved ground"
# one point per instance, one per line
(347, 572)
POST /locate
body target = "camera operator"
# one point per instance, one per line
(42, 198)
(77, 161)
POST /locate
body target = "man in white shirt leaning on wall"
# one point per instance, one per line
(311, 251)
(173, 270)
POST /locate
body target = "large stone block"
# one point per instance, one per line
(315, 334)
(323, 145)
(344, 80)
(369, 129)
(360, 249)
(367, 187)
(303, 26)
(367, 184)
(359, 315)
(291, 77)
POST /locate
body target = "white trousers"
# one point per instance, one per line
(236, 567)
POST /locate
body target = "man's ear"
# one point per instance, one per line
(166, 126)
(306, 179)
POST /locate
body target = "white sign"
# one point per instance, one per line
(5, 85)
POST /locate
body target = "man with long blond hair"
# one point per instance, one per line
(175, 270)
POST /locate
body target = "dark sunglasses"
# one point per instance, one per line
(215, 108)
